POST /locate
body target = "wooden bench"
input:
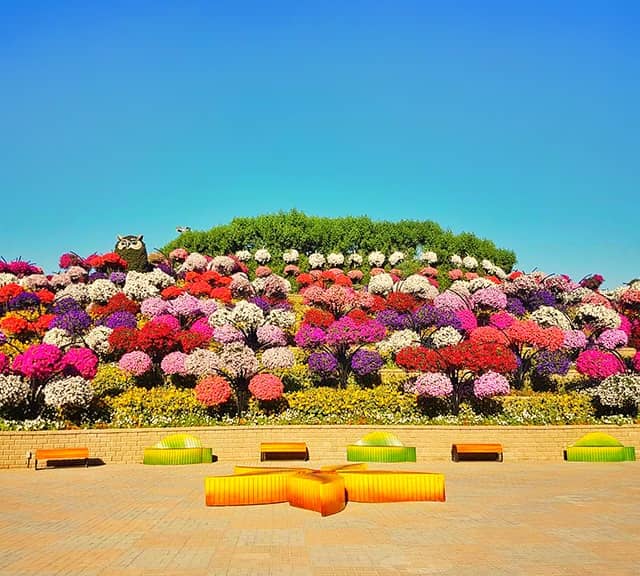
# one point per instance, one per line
(285, 450)
(62, 454)
(476, 449)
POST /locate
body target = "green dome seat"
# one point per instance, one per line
(177, 449)
(599, 447)
(380, 447)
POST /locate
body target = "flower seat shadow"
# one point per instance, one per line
(178, 449)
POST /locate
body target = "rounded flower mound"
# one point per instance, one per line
(574, 339)
(136, 362)
(280, 357)
(174, 363)
(290, 256)
(72, 391)
(262, 256)
(598, 364)
(39, 361)
(366, 362)
(492, 298)
(433, 385)
(611, 339)
(381, 284)
(376, 259)
(323, 363)
(269, 335)
(419, 286)
(213, 391)
(227, 334)
(80, 362)
(266, 387)
(153, 307)
(490, 384)
(13, 390)
(201, 362)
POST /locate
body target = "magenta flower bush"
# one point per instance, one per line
(598, 364)
(80, 362)
(39, 362)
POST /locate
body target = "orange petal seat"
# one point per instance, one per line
(318, 491)
(393, 486)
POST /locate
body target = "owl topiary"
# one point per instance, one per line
(134, 251)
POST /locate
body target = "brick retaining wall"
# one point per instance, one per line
(240, 444)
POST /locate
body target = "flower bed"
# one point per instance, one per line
(198, 340)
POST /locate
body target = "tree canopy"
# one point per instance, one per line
(281, 231)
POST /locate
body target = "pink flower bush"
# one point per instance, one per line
(468, 320)
(39, 361)
(611, 339)
(227, 334)
(432, 384)
(168, 320)
(309, 336)
(574, 339)
(80, 362)
(501, 320)
(201, 326)
(213, 391)
(270, 335)
(4, 363)
(489, 298)
(355, 275)
(636, 362)
(263, 271)
(136, 362)
(174, 363)
(266, 387)
(456, 274)
(184, 306)
(152, 307)
(491, 384)
(598, 364)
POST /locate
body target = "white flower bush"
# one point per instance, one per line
(291, 256)
(548, 316)
(60, 338)
(262, 256)
(487, 265)
(159, 279)
(335, 259)
(376, 259)
(278, 358)
(222, 265)
(247, 315)
(79, 292)
(34, 282)
(354, 259)
(396, 258)
(600, 317)
(445, 336)
(456, 260)
(621, 391)
(201, 362)
(101, 290)
(478, 284)
(469, 262)
(243, 255)
(397, 341)
(71, 391)
(219, 317)
(430, 257)
(281, 318)
(138, 287)
(418, 286)
(7, 278)
(316, 261)
(381, 284)
(98, 340)
(13, 390)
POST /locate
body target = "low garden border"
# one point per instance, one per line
(241, 444)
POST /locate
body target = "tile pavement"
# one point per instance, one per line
(499, 519)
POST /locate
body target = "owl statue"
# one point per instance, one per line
(133, 250)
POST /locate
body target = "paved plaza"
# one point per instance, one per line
(499, 519)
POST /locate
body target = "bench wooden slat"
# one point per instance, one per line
(477, 448)
(62, 454)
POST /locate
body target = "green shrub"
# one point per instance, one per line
(163, 406)
(110, 380)
(354, 405)
(546, 408)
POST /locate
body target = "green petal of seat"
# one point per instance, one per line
(356, 453)
(177, 456)
(179, 441)
(597, 439)
(379, 439)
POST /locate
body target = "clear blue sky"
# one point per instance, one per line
(518, 121)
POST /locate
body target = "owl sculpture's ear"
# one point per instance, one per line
(140, 237)
(119, 237)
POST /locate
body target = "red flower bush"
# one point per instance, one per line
(420, 358)
(15, 325)
(10, 291)
(266, 387)
(478, 357)
(318, 317)
(189, 340)
(171, 292)
(401, 302)
(484, 334)
(213, 391)
(117, 303)
(157, 339)
(123, 340)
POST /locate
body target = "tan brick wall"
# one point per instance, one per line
(326, 443)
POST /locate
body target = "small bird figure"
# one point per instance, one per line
(182, 229)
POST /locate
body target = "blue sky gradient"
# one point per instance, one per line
(517, 121)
